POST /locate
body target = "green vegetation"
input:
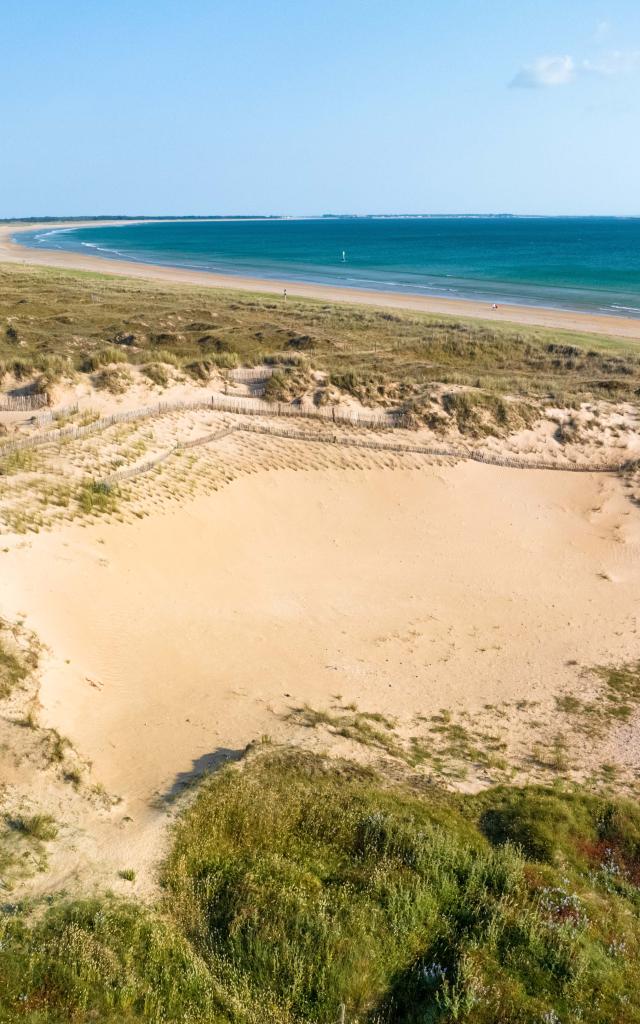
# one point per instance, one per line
(361, 726)
(57, 322)
(297, 887)
(116, 379)
(39, 826)
(18, 462)
(97, 496)
(157, 374)
(18, 657)
(618, 696)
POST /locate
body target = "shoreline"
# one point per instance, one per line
(588, 323)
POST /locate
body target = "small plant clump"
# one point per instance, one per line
(115, 379)
(158, 373)
(97, 496)
(38, 826)
(18, 657)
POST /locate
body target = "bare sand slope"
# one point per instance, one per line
(196, 631)
(590, 323)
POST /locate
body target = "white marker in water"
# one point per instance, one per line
(344, 256)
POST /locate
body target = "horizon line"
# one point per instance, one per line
(54, 218)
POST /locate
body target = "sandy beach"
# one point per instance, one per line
(10, 251)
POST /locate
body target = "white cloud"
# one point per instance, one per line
(616, 62)
(545, 72)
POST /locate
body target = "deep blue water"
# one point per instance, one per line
(588, 263)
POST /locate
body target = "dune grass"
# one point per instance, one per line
(38, 826)
(57, 320)
(18, 657)
(298, 889)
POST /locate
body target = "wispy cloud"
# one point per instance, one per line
(545, 72)
(616, 62)
(548, 72)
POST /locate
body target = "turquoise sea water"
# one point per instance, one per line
(590, 264)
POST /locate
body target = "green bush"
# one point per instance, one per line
(101, 961)
(306, 886)
(296, 887)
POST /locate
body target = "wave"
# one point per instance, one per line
(53, 231)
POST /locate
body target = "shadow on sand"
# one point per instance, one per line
(200, 767)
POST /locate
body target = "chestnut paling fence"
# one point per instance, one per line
(255, 407)
(445, 452)
(219, 402)
(22, 403)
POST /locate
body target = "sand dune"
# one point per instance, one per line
(193, 632)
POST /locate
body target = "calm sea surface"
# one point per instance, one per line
(590, 264)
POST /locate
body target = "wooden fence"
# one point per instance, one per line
(255, 375)
(121, 475)
(75, 432)
(22, 403)
(56, 414)
(256, 407)
(370, 418)
(219, 402)
(450, 451)
(376, 444)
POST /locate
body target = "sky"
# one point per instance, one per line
(341, 106)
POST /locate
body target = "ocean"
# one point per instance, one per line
(589, 264)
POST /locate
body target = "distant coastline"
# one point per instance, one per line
(12, 251)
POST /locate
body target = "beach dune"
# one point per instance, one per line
(403, 591)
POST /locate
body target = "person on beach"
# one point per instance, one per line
(284, 292)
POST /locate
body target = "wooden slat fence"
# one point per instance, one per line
(377, 420)
(450, 451)
(256, 407)
(253, 375)
(375, 444)
(219, 402)
(75, 432)
(22, 403)
(121, 475)
(56, 414)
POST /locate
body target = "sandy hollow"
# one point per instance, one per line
(194, 632)
(10, 251)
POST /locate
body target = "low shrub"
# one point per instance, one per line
(157, 374)
(116, 379)
(302, 891)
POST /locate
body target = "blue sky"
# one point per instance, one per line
(191, 107)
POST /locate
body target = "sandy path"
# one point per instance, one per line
(193, 632)
(620, 327)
